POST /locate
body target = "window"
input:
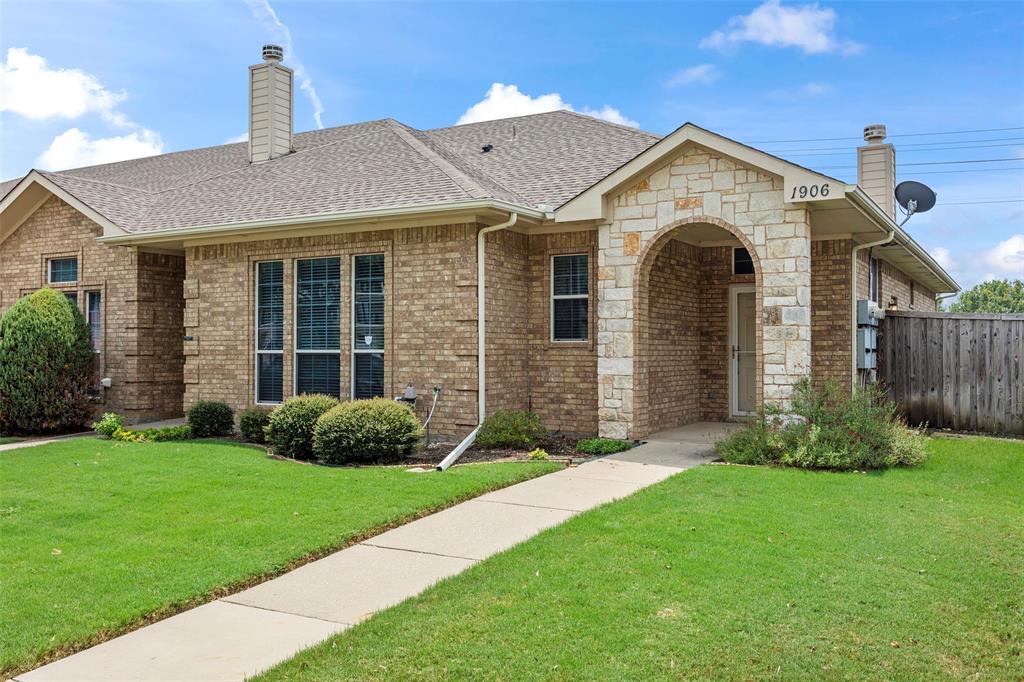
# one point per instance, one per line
(911, 293)
(93, 306)
(318, 326)
(873, 279)
(742, 263)
(368, 326)
(72, 296)
(570, 300)
(63, 270)
(269, 332)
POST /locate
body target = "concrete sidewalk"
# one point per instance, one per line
(240, 635)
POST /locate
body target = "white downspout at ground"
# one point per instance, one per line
(481, 337)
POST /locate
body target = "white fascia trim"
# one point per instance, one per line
(375, 215)
(885, 223)
(34, 176)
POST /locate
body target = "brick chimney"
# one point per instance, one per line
(270, 107)
(876, 168)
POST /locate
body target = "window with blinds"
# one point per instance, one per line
(318, 326)
(93, 306)
(269, 332)
(63, 270)
(368, 326)
(570, 297)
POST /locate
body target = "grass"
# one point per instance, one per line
(732, 572)
(96, 536)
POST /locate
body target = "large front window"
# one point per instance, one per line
(570, 297)
(368, 326)
(269, 332)
(318, 326)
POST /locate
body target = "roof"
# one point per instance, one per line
(539, 159)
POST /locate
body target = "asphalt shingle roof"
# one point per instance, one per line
(540, 159)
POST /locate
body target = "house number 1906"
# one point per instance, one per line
(809, 191)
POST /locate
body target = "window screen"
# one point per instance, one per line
(269, 332)
(93, 317)
(873, 280)
(64, 270)
(742, 263)
(570, 305)
(318, 326)
(368, 326)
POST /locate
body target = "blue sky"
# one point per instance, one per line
(86, 82)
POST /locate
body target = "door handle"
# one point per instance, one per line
(735, 349)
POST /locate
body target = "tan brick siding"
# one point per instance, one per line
(892, 282)
(508, 362)
(831, 310)
(140, 353)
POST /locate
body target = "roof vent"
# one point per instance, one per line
(273, 53)
(487, 147)
(874, 133)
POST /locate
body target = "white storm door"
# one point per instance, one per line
(742, 351)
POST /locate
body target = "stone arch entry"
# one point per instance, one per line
(689, 387)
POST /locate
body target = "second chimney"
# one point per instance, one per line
(270, 107)
(876, 168)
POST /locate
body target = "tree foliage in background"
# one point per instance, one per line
(994, 296)
(46, 365)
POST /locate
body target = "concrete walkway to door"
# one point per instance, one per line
(240, 635)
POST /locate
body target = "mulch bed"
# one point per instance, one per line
(559, 448)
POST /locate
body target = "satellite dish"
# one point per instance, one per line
(914, 197)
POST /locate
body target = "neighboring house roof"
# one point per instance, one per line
(540, 159)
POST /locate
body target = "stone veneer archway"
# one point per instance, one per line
(642, 284)
(700, 185)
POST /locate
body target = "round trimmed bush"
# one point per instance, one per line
(290, 428)
(377, 430)
(252, 424)
(211, 418)
(47, 365)
(510, 429)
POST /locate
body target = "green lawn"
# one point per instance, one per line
(8, 439)
(95, 535)
(735, 573)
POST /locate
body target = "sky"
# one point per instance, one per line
(93, 82)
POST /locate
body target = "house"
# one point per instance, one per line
(605, 278)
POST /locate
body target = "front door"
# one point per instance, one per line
(742, 351)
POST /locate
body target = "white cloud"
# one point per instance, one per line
(807, 27)
(263, 12)
(1008, 256)
(505, 101)
(240, 137)
(702, 73)
(944, 258)
(31, 88)
(816, 89)
(74, 148)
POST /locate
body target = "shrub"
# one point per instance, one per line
(252, 424)
(377, 430)
(539, 454)
(47, 365)
(181, 432)
(828, 430)
(602, 446)
(290, 427)
(127, 436)
(211, 418)
(108, 423)
(512, 429)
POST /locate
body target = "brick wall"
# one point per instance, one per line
(893, 282)
(508, 363)
(139, 351)
(831, 310)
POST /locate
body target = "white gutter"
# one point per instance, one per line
(365, 216)
(481, 336)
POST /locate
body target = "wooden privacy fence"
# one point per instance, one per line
(958, 371)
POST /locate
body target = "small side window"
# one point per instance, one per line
(570, 297)
(873, 279)
(742, 263)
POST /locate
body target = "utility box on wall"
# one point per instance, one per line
(868, 315)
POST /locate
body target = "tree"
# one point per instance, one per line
(46, 365)
(994, 296)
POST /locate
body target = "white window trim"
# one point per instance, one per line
(295, 323)
(352, 323)
(49, 271)
(256, 338)
(563, 297)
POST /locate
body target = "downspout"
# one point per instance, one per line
(853, 301)
(481, 337)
